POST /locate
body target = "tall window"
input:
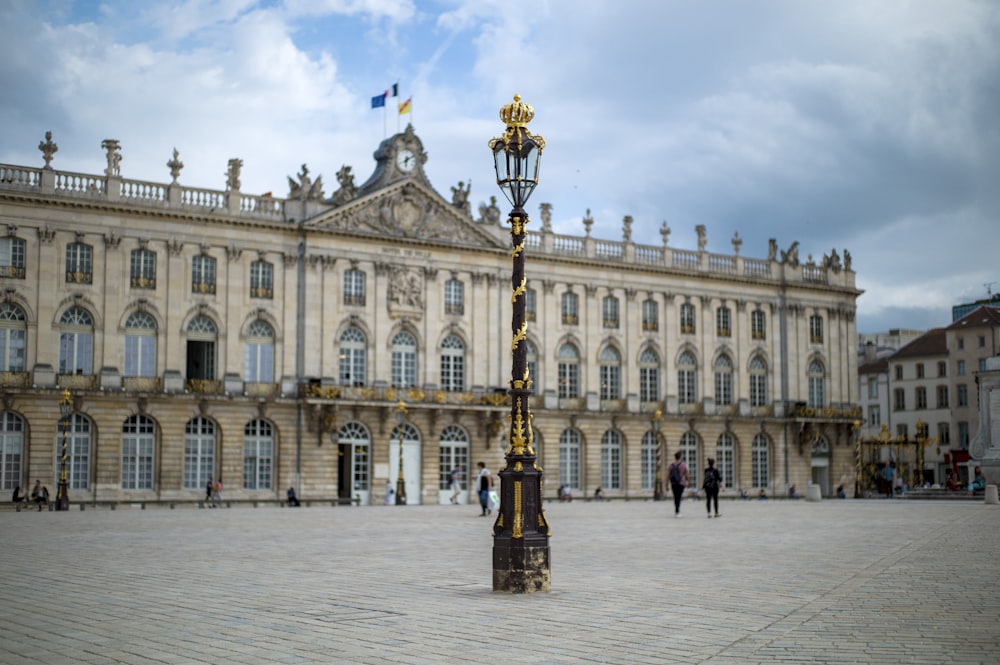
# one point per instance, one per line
(140, 345)
(963, 394)
(404, 360)
(261, 280)
(875, 415)
(921, 396)
(570, 309)
(356, 438)
(942, 397)
(963, 434)
(760, 461)
(920, 370)
(872, 388)
(758, 324)
(816, 329)
(569, 371)
(817, 379)
(201, 338)
(531, 352)
(353, 357)
(899, 400)
(203, 274)
(13, 332)
(758, 382)
(944, 433)
(138, 446)
(258, 455)
(12, 258)
(942, 368)
(611, 368)
(725, 458)
(354, 287)
(611, 460)
(649, 376)
(689, 454)
(454, 297)
(687, 318)
(569, 458)
(650, 316)
(76, 342)
(142, 269)
(199, 452)
(11, 450)
(453, 450)
(260, 353)
(687, 376)
(609, 309)
(531, 305)
(78, 438)
(452, 364)
(647, 457)
(960, 368)
(723, 322)
(723, 380)
(79, 263)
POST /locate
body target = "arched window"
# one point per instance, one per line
(611, 460)
(13, 333)
(531, 351)
(140, 345)
(79, 433)
(569, 458)
(648, 454)
(649, 376)
(570, 309)
(817, 378)
(723, 380)
(353, 357)
(138, 448)
(569, 371)
(404, 360)
(453, 451)
(356, 436)
(758, 382)
(199, 452)
(260, 352)
(201, 338)
(76, 342)
(687, 379)
(689, 454)
(760, 461)
(725, 458)
(609, 309)
(11, 450)
(452, 364)
(258, 455)
(611, 373)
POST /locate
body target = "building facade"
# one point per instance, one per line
(333, 343)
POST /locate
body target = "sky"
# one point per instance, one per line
(858, 125)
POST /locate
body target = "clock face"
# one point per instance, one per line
(406, 160)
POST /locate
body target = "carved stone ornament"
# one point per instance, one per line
(490, 214)
(48, 148)
(306, 189)
(233, 174)
(113, 149)
(175, 165)
(405, 294)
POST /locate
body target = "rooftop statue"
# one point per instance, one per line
(348, 191)
(305, 189)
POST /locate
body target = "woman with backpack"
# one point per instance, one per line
(713, 479)
(677, 473)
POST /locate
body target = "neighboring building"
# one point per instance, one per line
(874, 350)
(206, 333)
(960, 311)
(971, 341)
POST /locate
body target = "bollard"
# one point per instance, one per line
(814, 493)
(991, 495)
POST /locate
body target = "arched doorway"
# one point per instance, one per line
(354, 455)
(411, 460)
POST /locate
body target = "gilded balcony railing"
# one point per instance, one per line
(254, 389)
(141, 384)
(15, 379)
(203, 386)
(77, 381)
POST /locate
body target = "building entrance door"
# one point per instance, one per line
(411, 461)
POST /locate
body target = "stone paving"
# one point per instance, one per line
(867, 581)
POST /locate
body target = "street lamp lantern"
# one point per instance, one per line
(400, 480)
(655, 421)
(65, 411)
(521, 531)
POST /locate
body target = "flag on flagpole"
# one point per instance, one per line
(405, 107)
(395, 90)
(378, 100)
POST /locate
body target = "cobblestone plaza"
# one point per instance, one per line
(776, 581)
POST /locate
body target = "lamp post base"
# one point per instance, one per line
(519, 566)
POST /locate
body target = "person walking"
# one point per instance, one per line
(484, 483)
(677, 474)
(209, 490)
(888, 472)
(456, 486)
(713, 481)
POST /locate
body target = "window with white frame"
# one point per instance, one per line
(942, 397)
(609, 310)
(453, 450)
(357, 438)
(875, 415)
(142, 269)
(687, 379)
(569, 371)
(13, 336)
(202, 335)
(79, 263)
(689, 455)
(199, 452)
(570, 309)
(611, 368)
(758, 382)
(353, 357)
(203, 274)
(454, 297)
(723, 380)
(354, 287)
(11, 451)
(140, 345)
(138, 449)
(76, 342)
(404, 360)
(687, 319)
(260, 352)
(963, 394)
(569, 458)
(725, 458)
(452, 364)
(258, 455)
(261, 280)
(611, 460)
(649, 376)
(872, 388)
(760, 462)
(647, 460)
(12, 257)
(723, 322)
(530, 305)
(817, 384)
(650, 316)
(79, 435)
(758, 324)
(816, 329)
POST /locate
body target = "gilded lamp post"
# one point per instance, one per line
(655, 421)
(65, 411)
(400, 481)
(521, 532)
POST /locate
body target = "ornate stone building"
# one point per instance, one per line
(199, 333)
